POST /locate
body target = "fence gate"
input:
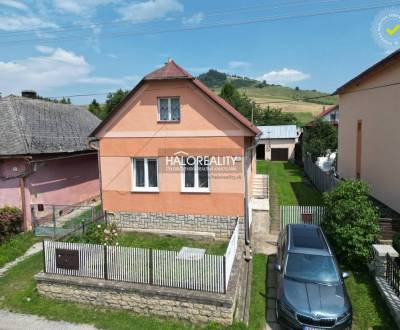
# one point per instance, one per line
(301, 214)
(56, 221)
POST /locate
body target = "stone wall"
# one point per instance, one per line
(192, 306)
(221, 226)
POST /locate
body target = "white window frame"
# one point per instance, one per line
(169, 98)
(196, 188)
(146, 187)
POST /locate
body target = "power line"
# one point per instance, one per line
(211, 26)
(209, 14)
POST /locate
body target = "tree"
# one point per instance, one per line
(112, 100)
(350, 222)
(271, 116)
(320, 138)
(95, 108)
(65, 100)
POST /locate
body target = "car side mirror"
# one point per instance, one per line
(278, 267)
(345, 275)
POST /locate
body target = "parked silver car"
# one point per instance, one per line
(311, 293)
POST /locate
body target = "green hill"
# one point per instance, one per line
(288, 99)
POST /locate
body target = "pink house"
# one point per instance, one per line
(44, 155)
(175, 156)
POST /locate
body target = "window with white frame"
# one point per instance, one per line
(195, 174)
(145, 174)
(169, 109)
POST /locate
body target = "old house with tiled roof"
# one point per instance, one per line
(176, 156)
(44, 154)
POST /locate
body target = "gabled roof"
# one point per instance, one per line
(372, 69)
(172, 71)
(327, 111)
(279, 132)
(31, 126)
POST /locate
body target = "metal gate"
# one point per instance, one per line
(56, 221)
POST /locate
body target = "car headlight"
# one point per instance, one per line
(344, 316)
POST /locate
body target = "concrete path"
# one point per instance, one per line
(261, 240)
(32, 250)
(15, 321)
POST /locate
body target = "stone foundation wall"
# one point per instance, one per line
(221, 226)
(192, 306)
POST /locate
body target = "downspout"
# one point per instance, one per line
(247, 152)
(94, 144)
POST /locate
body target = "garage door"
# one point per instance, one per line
(279, 154)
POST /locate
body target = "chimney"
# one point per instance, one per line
(169, 60)
(29, 93)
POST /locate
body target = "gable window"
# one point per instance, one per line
(195, 174)
(145, 174)
(169, 109)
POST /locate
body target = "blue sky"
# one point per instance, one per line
(67, 47)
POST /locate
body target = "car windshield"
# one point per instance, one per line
(311, 268)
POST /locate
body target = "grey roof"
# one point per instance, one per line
(32, 126)
(279, 132)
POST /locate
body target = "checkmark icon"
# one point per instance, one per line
(393, 31)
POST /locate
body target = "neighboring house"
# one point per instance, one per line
(151, 148)
(44, 155)
(369, 133)
(277, 142)
(330, 114)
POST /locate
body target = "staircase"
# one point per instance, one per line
(260, 189)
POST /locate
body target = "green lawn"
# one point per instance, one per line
(18, 293)
(77, 221)
(16, 246)
(258, 306)
(290, 184)
(145, 240)
(369, 309)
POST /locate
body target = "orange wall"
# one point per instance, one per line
(204, 130)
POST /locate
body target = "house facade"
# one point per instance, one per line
(277, 142)
(175, 156)
(368, 131)
(44, 155)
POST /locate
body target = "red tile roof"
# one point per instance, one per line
(323, 113)
(171, 70)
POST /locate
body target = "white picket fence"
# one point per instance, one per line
(296, 213)
(230, 254)
(174, 269)
(203, 272)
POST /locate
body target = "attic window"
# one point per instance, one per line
(169, 109)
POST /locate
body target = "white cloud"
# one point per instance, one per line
(194, 19)
(81, 7)
(44, 49)
(54, 69)
(14, 4)
(284, 76)
(113, 56)
(149, 10)
(21, 23)
(239, 65)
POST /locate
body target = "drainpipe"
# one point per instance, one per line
(94, 144)
(247, 152)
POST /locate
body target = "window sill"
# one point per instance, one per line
(169, 121)
(146, 190)
(196, 191)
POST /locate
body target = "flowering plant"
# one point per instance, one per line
(107, 234)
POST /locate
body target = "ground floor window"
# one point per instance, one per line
(145, 174)
(195, 174)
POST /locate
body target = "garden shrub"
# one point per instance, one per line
(396, 241)
(10, 222)
(98, 234)
(351, 222)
